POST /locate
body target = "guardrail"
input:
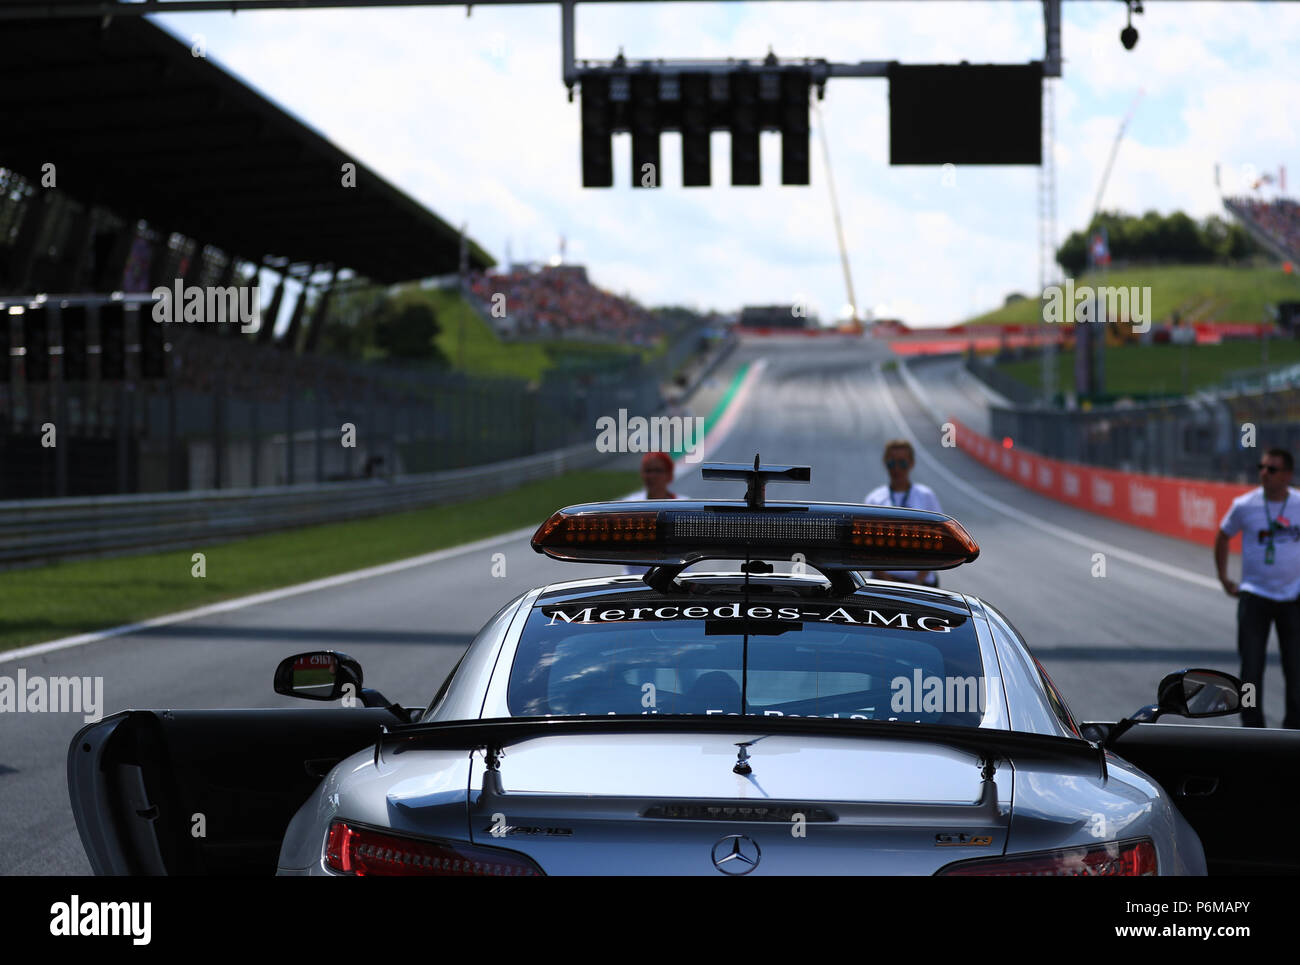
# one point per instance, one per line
(230, 413)
(45, 530)
(1001, 383)
(1261, 378)
(709, 364)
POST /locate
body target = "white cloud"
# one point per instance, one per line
(469, 116)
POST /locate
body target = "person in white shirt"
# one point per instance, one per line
(1269, 593)
(656, 474)
(899, 458)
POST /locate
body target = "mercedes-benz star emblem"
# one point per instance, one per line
(736, 854)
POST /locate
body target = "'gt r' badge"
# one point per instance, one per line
(501, 830)
(957, 839)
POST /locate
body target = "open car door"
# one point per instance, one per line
(1238, 787)
(203, 792)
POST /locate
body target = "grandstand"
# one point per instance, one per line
(150, 182)
(1275, 224)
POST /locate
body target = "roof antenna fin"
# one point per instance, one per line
(757, 477)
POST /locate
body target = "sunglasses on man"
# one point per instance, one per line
(897, 463)
(1270, 469)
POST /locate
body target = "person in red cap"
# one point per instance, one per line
(656, 474)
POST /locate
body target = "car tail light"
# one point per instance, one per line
(353, 850)
(1113, 859)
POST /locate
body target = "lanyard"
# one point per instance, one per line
(1281, 514)
(905, 497)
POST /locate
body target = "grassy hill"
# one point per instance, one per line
(1163, 369)
(486, 354)
(1199, 292)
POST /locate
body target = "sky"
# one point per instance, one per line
(469, 115)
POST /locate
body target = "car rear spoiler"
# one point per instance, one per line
(493, 735)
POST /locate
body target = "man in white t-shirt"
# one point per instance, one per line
(899, 459)
(1269, 594)
(656, 474)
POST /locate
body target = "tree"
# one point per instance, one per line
(1157, 238)
(370, 322)
(350, 323)
(406, 330)
(1072, 256)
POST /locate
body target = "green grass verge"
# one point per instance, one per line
(718, 409)
(1158, 369)
(63, 599)
(485, 354)
(1201, 292)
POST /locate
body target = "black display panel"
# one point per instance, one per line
(965, 114)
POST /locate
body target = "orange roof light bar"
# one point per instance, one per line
(829, 535)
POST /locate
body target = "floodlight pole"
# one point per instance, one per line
(570, 72)
(1052, 38)
(1047, 193)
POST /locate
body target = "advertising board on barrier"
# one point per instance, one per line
(1186, 508)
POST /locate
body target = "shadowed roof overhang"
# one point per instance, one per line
(134, 122)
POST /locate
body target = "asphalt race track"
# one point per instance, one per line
(1105, 641)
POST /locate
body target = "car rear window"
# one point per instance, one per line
(854, 659)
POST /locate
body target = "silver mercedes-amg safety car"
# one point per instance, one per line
(735, 723)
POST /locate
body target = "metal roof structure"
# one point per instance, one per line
(136, 123)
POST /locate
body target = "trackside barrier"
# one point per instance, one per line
(1185, 508)
(37, 530)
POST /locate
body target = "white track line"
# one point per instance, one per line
(727, 421)
(922, 396)
(1051, 529)
(718, 433)
(269, 596)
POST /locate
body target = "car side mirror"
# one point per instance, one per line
(1199, 693)
(1185, 693)
(318, 675)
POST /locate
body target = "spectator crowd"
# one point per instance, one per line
(1279, 219)
(559, 302)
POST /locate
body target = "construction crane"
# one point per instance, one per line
(854, 322)
(1120, 332)
(1114, 150)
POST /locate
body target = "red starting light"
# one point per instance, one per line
(1006, 442)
